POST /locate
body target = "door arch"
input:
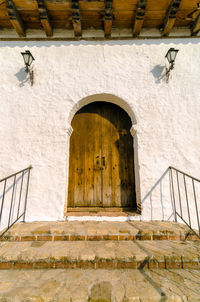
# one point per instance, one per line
(101, 162)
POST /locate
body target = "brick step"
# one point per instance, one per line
(103, 285)
(96, 231)
(100, 254)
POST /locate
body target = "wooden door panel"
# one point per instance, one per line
(101, 170)
(78, 168)
(88, 172)
(97, 178)
(110, 171)
(85, 151)
(106, 158)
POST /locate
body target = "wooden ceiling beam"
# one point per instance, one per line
(170, 17)
(15, 18)
(108, 18)
(139, 17)
(44, 18)
(76, 18)
(195, 28)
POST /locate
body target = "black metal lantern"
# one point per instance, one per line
(28, 59)
(171, 56)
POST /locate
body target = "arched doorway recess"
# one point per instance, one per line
(101, 165)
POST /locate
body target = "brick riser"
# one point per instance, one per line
(117, 237)
(168, 263)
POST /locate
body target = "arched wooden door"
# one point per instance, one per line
(101, 168)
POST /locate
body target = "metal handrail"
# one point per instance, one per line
(188, 175)
(11, 210)
(181, 214)
(29, 167)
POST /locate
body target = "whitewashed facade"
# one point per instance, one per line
(35, 120)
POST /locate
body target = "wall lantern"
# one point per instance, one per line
(28, 59)
(171, 56)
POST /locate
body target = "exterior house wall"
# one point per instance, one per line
(35, 120)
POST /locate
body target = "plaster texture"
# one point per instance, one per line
(35, 120)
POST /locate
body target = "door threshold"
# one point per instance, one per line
(97, 210)
(101, 213)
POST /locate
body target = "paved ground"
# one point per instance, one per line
(89, 230)
(100, 286)
(91, 261)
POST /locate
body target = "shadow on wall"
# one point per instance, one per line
(22, 77)
(159, 73)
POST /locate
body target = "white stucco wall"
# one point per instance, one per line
(35, 121)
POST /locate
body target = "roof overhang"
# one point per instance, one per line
(98, 19)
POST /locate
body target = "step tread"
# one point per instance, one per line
(92, 230)
(102, 285)
(138, 253)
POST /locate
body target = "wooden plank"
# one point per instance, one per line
(76, 21)
(108, 18)
(78, 153)
(115, 160)
(139, 17)
(106, 159)
(97, 136)
(15, 18)
(25, 5)
(195, 28)
(89, 159)
(170, 17)
(44, 18)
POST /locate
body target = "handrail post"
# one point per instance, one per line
(2, 204)
(195, 199)
(179, 194)
(27, 186)
(186, 195)
(20, 195)
(11, 204)
(174, 204)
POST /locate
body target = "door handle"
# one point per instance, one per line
(103, 161)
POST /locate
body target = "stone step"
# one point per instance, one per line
(100, 254)
(100, 286)
(96, 231)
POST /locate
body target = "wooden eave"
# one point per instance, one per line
(104, 19)
(15, 18)
(44, 18)
(139, 17)
(108, 18)
(170, 17)
(76, 18)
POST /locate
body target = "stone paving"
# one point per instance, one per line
(99, 262)
(100, 254)
(91, 230)
(100, 286)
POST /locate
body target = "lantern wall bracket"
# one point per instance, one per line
(31, 75)
(167, 73)
(171, 56)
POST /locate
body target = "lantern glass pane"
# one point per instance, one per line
(173, 55)
(26, 58)
(30, 59)
(169, 56)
